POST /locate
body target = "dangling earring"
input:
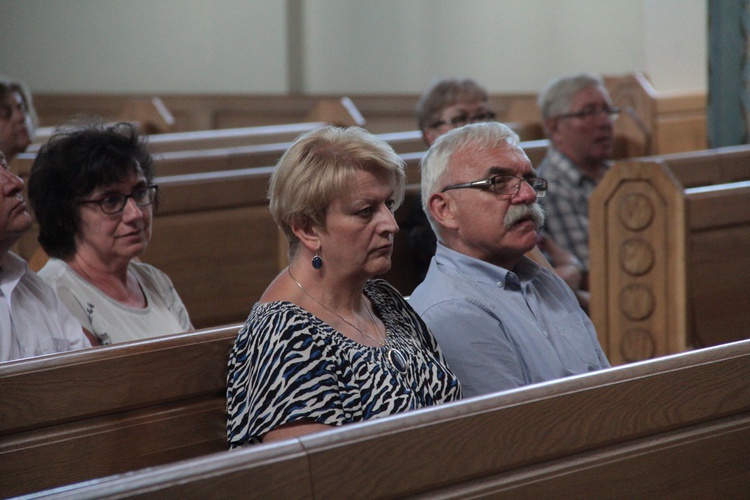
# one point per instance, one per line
(317, 262)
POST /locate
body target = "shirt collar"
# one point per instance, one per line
(479, 270)
(13, 269)
(568, 169)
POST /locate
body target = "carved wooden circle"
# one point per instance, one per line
(636, 256)
(637, 302)
(636, 212)
(637, 344)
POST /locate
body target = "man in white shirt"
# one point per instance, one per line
(33, 321)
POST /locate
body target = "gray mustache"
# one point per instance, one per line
(517, 213)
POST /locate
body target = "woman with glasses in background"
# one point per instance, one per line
(92, 192)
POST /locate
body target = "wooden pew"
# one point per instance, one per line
(190, 160)
(385, 113)
(656, 123)
(84, 414)
(340, 112)
(678, 426)
(215, 238)
(708, 167)
(652, 122)
(150, 114)
(670, 264)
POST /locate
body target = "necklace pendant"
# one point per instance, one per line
(397, 359)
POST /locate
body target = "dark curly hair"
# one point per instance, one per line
(77, 160)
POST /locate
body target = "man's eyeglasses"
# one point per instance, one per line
(464, 119)
(115, 203)
(505, 184)
(590, 112)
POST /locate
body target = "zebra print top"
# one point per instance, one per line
(287, 365)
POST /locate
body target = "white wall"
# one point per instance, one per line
(351, 46)
(676, 45)
(144, 45)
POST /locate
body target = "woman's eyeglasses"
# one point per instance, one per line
(465, 119)
(115, 203)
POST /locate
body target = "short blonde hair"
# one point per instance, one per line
(317, 169)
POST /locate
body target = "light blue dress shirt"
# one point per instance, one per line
(501, 329)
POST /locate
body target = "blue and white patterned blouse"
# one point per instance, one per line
(287, 365)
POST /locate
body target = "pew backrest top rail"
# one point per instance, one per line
(54, 389)
(447, 448)
(228, 137)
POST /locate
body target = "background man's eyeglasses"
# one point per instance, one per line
(590, 112)
(115, 203)
(461, 120)
(504, 184)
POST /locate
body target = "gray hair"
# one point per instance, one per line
(556, 97)
(478, 136)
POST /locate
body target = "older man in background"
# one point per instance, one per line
(579, 121)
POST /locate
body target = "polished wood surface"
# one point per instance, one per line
(84, 414)
(673, 426)
(669, 263)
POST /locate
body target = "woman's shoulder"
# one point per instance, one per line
(381, 287)
(277, 323)
(145, 269)
(278, 316)
(54, 270)
(152, 276)
(384, 294)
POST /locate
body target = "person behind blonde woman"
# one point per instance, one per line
(91, 188)
(33, 320)
(502, 320)
(327, 344)
(17, 118)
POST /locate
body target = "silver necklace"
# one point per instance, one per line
(394, 355)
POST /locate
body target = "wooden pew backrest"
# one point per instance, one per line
(656, 123)
(668, 264)
(707, 167)
(719, 262)
(215, 238)
(94, 412)
(671, 425)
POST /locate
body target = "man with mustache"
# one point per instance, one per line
(501, 320)
(33, 321)
(579, 122)
(447, 104)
